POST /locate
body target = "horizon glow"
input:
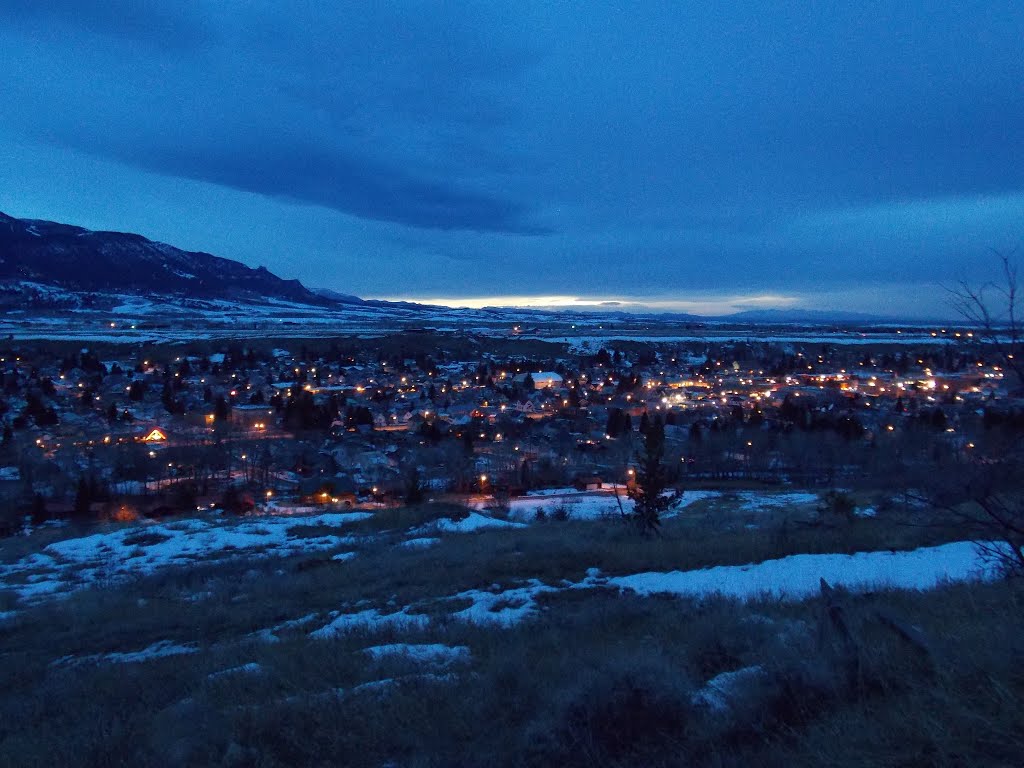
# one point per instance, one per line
(704, 305)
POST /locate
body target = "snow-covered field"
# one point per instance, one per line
(173, 319)
(591, 343)
(140, 549)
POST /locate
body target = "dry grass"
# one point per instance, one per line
(597, 678)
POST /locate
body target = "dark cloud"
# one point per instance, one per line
(332, 178)
(659, 147)
(169, 25)
(385, 114)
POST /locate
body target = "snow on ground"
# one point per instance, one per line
(252, 668)
(157, 650)
(271, 635)
(554, 492)
(419, 543)
(583, 344)
(501, 607)
(279, 508)
(474, 522)
(144, 548)
(382, 686)
(689, 498)
(718, 693)
(756, 501)
(799, 576)
(578, 506)
(428, 653)
(371, 620)
(790, 578)
(600, 505)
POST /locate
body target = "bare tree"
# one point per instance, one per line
(989, 503)
(994, 309)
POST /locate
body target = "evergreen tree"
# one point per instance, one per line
(648, 493)
(83, 498)
(38, 508)
(221, 410)
(413, 487)
(614, 424)
(137, 390)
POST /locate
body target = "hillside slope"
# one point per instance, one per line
(82, 261)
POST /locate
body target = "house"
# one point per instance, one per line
(588, 483)
(199, 418)
(252, 416)
(334, 490)
(155, 435)
(460, 414)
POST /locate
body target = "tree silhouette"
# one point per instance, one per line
(650, 495)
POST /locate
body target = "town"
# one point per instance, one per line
(120, 432)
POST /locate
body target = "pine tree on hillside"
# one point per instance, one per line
(650, 500)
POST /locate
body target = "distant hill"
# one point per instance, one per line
(801, 317)
(76, 260)
(345, 298)
(341, 298)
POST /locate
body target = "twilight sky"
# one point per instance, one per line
(687, 155)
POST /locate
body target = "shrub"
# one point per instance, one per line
(145, 538)
(628, 711)
(561, 512)
(837, 507)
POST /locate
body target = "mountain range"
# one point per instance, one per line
(48, 264)
(78, 260)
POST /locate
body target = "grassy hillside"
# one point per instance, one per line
(481, 653)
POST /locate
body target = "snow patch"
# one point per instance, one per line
(719, 692)
(143, 548)
(419, 543)
(428, 653)
(755, 501)
(799, 576)
(474, 522)
(372, 620)
(501, 607)
(158, 650)
(252, 668)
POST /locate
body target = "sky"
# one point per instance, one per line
(693, 156)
